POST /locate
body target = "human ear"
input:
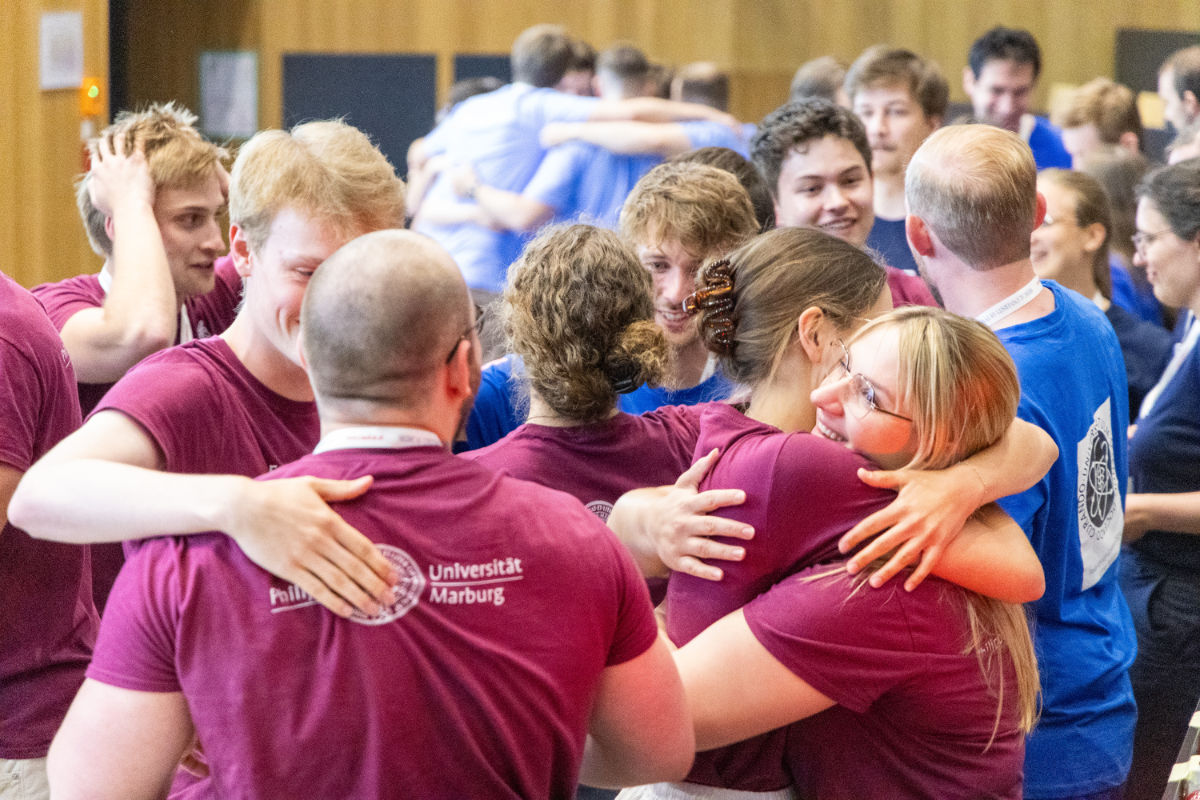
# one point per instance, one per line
(814, 334)
(919, 237)
(1094, 234)
(239, 248)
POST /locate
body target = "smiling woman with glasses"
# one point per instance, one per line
(1160, 568)
(781, 313)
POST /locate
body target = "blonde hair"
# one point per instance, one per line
(775, 277)
(177, 155)
(975, 186)
(328, 169)
(956, 380)
(960, 387)
(704, 208)
(1102, 102)
(578, 309)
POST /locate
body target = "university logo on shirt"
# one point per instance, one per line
(1098, 498)
(408, 591)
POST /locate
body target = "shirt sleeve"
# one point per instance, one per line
(705, 133)
(851, 643)
(65, 299)
(557, 177)
(136, 646)
(20, 402)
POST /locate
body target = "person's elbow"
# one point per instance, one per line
(26, 509)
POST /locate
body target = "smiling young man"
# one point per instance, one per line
(1002, 69)
(816, 160)
(160, 187)
(901, 98)
(172, 447)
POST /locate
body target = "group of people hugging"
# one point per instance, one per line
(785, 461)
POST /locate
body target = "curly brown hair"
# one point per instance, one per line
(578, 310)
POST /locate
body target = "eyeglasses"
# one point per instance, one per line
(475, 327)
(862, 391)
(1049, 221)
(1142, 240)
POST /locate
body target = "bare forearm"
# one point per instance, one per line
(654, 109)
(993, 557)
(112, 502)
(510, 210)
(1178, 512)
(630, 138)
(1019, 460)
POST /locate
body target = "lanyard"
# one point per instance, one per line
(378, 437)
(1011, 304)
(1182, 349)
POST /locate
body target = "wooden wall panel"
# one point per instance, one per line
(41, 237)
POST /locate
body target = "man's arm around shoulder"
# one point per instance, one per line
(118, 743)
(641, 727)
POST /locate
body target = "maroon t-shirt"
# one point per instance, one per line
(478, 682)
(47, 619)
(908, 290)
(210, 314)
(914, 714)
(802, 494)
(598, 463)
(208, 414)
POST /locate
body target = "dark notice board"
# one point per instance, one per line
(483, 66)
(392, 98)
(1139, 54)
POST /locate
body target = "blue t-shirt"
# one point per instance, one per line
(647, 398)
(1073, 387)
(497, 133)
(1045, 140)
(501, 404)
(1146, 348)
(1135, 297)
(1164, 456)
(887, 237)
(587, 183)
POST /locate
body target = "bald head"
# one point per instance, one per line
(975, 187)
(379, 317)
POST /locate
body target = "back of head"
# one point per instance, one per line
(1185, 68)
(466, 88)
(1091, 207)
(177, 155)
(327, 169)
(883, 66)
(1175, 191)
(822, 77)
(1005, 44)
(956, 379)
(1108, 105)
(583, 57)
(796, 124)
(378, 318)
(658, 81)
(577, 308)
(702, 82)
(540, 55)
(621, 71)
(748, 176)
(1119, 172)
(975, 186)
(772, 279)
(703, 208)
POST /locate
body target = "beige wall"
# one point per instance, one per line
(760, 41)
(40, 235)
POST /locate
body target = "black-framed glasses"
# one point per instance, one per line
(475, 327)
(1141, 240)
(862, 391)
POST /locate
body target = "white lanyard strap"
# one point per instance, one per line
(1011, 304)
(1182, 349)
(378, 437)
